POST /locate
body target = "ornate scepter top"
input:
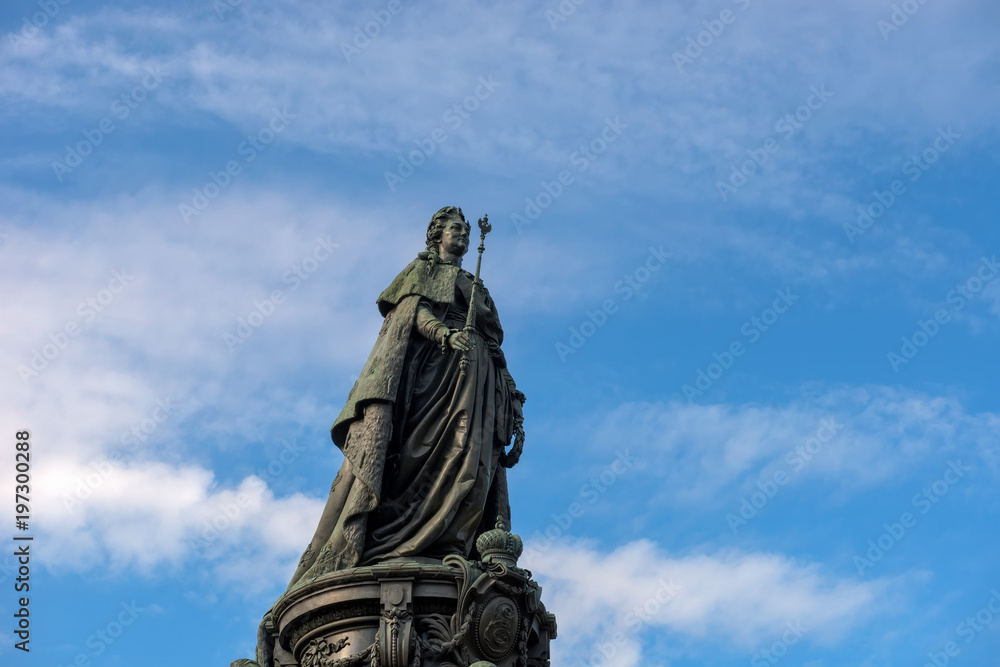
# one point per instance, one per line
(485, 228)
(470, 319)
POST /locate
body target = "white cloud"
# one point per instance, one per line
(150, 376)
(258, 59)
(742, 601)
(160, 338)
(706, 454)
(685, 129)
(147, 515)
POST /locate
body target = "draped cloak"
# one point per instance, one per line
(421, 476)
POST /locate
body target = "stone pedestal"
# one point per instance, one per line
(414, 613)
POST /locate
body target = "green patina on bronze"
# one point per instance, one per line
(423, 277)
(425, 426)
(421, 497)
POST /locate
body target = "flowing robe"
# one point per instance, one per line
(421, 476)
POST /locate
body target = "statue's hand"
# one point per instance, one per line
(461, 341)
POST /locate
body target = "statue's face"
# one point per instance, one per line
(455, 237)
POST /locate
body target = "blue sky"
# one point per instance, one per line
(744, 253)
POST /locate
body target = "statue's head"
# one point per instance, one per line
(440, 221)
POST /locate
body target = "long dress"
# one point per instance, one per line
(444, 455)
(428, 478)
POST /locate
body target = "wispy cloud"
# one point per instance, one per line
(709, 454)
(738, 600)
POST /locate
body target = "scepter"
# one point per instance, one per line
(470, 319)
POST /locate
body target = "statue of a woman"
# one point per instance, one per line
(423, 472)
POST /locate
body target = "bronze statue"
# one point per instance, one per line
(423, 438)
(413, 564)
